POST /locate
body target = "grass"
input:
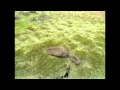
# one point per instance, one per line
(83, 33)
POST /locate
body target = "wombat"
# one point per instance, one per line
(59, 51)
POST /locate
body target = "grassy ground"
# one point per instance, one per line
(83, 33)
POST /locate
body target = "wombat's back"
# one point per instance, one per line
(58, 51)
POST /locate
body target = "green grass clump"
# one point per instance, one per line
(81, 32)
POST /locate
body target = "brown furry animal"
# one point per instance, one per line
(74, 59)
(62, 52)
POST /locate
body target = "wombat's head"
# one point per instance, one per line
(77, 62)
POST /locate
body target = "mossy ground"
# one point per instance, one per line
(83, 33)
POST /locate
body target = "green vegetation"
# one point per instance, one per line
(83, 33)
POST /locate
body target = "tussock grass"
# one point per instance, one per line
(82, 33)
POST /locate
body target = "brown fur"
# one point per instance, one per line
(74, 59)
(62, 52)
(58, 51)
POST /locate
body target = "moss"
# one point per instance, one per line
(83, 33)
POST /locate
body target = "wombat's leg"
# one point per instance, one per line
(65, 55)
